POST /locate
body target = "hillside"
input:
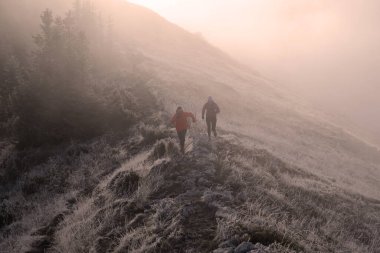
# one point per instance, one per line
(279, 178)
(123, 195)
(187, 69)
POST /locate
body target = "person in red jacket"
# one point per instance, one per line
(180, 121)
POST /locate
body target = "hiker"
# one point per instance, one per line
(180, 121)
(211, 109)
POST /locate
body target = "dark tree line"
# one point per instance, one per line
(58, 104)
(13, 74)
(56, 93)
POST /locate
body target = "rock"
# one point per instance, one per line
(259, 248)
(224, 250)
(258, 251)
(226, 244)
(244, 247)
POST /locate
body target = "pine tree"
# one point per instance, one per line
(13, 74)
(58, 105)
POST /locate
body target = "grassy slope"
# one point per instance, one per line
(186, 69)
(279, 171)
(217, 196)
(124, 194)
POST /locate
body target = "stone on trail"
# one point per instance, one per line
(224, 250)
(244, 247)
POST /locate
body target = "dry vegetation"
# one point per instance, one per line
(216, 198)
(279, 179)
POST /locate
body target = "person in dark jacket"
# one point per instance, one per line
(180, 121)
(211, 109)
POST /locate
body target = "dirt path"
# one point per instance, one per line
(191, 182)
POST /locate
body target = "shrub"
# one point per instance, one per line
(124, 184)
(152, 134)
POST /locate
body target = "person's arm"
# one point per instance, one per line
(173, 119)
(217, 108)
(189, 114)
(203, 111)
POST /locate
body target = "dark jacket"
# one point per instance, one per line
(211, 109)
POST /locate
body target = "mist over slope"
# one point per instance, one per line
(187, 69)
(109, 177)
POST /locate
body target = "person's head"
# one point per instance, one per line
(210, 99)
(179, 110)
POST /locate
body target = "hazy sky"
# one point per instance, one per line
(326, 50)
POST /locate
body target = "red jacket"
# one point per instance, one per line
(180, 121)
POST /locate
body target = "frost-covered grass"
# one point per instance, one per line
(312, 214)
(285, 178)
(102, 213)
(257, 198)
(151, 199)
(41, 192)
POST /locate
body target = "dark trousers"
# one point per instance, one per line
(211, 124)
(182, 137)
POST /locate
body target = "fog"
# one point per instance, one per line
(325, 51)
(96, 157)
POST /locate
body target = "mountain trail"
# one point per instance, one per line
(191, 198)
(177, 206)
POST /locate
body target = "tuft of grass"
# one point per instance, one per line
(147, 186)
(165, 148)
(125, 183)
(152, 134)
